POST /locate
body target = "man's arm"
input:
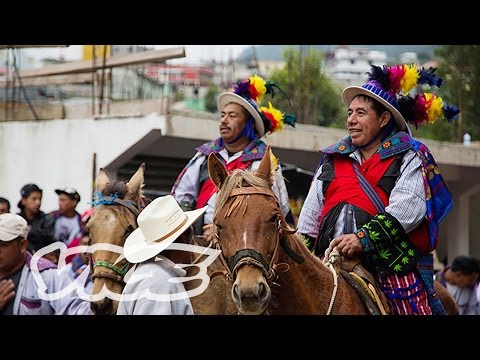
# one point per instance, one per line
(309, 219)
(187, 188)
(279, 188)
(68, 304)
(407, 201)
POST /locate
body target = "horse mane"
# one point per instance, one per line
(237, 179)
(123, 214)
(118, 187)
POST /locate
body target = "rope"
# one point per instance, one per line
(332, 256)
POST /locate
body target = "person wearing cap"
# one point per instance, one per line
(18, 286)
(378, 193)
(68, 221)
(243, 123)
(159, 225)
(41, 225)
(461, 280)
(4, 205)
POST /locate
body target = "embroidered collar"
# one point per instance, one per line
(254, 151)
(395, 144)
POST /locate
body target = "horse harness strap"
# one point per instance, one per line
(268, 192)
(253, 257)
(253, 190)
(119, 272)
(128, 204)
(247, 257)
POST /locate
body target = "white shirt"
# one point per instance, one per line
(467, 299)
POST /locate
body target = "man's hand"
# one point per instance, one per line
(208, 232)
(347, 245)
(6, 292)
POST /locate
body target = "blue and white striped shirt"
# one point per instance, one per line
(406, 203)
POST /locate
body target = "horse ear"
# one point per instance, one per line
(217, 171)
(102, 180)
(264, 169)
(135, 183)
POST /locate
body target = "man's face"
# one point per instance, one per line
(12, 254)
(363, 122)
(66, 203)
(3, 208)
(233, 121)
(464, 280)
(84, 241)
(33, 202)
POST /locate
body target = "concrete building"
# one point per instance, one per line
(349, 66)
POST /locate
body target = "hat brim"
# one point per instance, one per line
(350, 92)
(227, 97)
(137, 249)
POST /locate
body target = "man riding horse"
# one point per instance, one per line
(378, 193)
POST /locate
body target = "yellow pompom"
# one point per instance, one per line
(259, 84)
(410, 78)
(434, 110)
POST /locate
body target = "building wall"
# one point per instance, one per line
(59, 153)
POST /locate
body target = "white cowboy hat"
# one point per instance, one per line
(159, 225)
(228, 97)
(386, 99)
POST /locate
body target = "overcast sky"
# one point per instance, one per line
(194, 53)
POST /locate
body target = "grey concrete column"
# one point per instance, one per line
(459, 223)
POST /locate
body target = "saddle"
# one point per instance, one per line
(365, 285)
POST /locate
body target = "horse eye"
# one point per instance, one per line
(273, 219)
(219, 227)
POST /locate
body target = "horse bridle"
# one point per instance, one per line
(119, 271)
(250, 256)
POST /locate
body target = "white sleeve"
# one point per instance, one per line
(68, 304)
(279, 188)
(407, 199)
(208, 215)
(188, 186)
(309, 219)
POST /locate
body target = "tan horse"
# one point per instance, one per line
(114, 218)
(262, 256)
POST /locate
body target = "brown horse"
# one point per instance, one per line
(114, 218)
(262, 255)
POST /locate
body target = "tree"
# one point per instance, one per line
(211, 98)
(459, 65)
(314, 98)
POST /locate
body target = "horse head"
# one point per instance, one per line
(248, 223)
(114, 218)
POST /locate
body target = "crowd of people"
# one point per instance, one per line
(371, 196)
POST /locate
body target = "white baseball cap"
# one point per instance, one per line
(12, 226)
